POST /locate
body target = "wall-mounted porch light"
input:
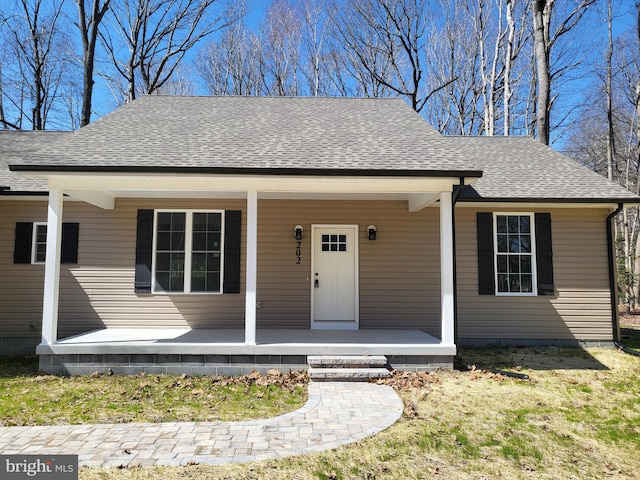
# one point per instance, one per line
(298, 232)
(371, 232)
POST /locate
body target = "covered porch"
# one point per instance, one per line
(417, 194)
(225, 352)
(189, 349)
(330, 170)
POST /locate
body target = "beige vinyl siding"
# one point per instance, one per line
(21, 285)
(581, 307)
(399, 273)
(106, 260)
(399, 276)
(98, 292)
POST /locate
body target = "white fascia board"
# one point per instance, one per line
(119, 185)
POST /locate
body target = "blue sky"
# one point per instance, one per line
(593, 30)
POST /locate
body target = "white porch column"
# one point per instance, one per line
(52, 267)
(252, 268)
(446, 268)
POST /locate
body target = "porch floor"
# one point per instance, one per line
(279, 341)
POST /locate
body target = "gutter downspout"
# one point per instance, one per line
(455, 195)
(613, 284)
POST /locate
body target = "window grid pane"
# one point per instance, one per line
(170, 251)
(205, 258)
(514, 254)
(41, 243)
(188, 261)
(334, 243)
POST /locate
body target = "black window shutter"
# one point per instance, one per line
(69, 243)
(22, 247)
(144, 251)
(544, 254)
(232, 240)
(486, 271)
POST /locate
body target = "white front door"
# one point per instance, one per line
(334, 282)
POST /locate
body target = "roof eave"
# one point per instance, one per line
(588, 200)
(23, 193)
(333, 172)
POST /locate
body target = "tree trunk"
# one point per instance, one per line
(637, 100)
(508, 60)
(609, 87)
(541, 16)
(89, 36)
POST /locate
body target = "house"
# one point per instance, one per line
(221, 234)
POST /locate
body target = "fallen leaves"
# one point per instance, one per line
(407, 380)
(289, 381)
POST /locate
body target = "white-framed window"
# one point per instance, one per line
(514, 254)
(188, 251)
(39, 243)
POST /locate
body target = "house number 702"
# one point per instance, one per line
(298, 253)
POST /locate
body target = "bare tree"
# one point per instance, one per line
(40, 61)
(452, 61)
(4, 122)
(608, 141)
(157, 34)
(389, 39)
(231, 64)
(314, 42)
(181, 82)
(88, 23)
(359, 65)
(517, 19)
(547, 29)
(634, 61)
(281, 49)
(490, 38)
(609, 92)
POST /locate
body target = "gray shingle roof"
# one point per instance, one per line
(14, 145)
(258, 133)
(521, 168)
(297, 134)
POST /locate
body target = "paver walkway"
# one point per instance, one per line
(337, 413)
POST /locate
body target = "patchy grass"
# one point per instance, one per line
(630, 331)
(27, 398)
(578, 416)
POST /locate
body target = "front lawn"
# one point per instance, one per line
(577, 417)
(27, 398)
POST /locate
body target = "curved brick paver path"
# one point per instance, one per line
(337, 413)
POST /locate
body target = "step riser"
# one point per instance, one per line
(347, 374)
(342, 368)
(335, 361)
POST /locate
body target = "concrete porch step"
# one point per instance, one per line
(346, 361)
(349, 368)
(347, 374)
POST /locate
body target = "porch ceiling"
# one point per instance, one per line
(102, 189)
